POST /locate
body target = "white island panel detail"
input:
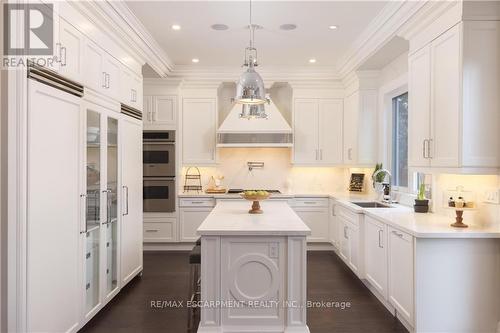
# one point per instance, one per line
(253, 269)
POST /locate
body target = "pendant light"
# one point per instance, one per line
(250, 89)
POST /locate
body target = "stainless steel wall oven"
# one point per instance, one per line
(159, 171)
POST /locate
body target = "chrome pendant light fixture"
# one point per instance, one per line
(250, 90)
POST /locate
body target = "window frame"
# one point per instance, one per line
(393, 154)
(397, 89)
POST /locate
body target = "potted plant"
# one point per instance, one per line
(379, 178)
(421, 203)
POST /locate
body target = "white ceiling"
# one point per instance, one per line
(311, 39)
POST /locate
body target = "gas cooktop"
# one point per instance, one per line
(239, 190)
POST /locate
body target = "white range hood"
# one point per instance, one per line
(273, 131)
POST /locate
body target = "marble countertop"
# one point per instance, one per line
(430, 225)
(232, 218)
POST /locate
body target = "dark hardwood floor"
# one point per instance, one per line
(165, 277)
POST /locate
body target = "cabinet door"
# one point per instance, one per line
(343, 240)
(147, 110)
(376, 255)
(317, 221)
(446, 99)
(354, 254)
(190, 220)
(72, 49)
(401, 273)
(199, 121)
(94, 73)
(419, 107)
(55, 209)
(333, 228)
(112, 70)
(131, 225)
(331, 114)
(137, 91)
(351, 116)
(305, 127)
(164, 110)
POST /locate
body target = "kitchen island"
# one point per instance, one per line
(253, 269)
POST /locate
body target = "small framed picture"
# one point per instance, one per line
(357, 182)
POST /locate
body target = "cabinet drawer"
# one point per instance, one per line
(401, 234)
(311, 202)
(197, 202)
(158, 232)
(347, 214)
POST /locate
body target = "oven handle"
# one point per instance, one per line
(167, 179)
(158, 142)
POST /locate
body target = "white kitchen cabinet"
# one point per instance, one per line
(160, 229)
(318, 131)
(334, 228)
(94, 73)
(401, 263)
(131, 203)
(349, 245)
(199, 121)
(419, 98)
(191, 219)
(375, 247)
(193, 212)
(314, 212)
(55, 214)
(112, 72)
(305, 131)
(454, 85)
(71, 49)
(160, 112)
(360, 128)
(131, 90)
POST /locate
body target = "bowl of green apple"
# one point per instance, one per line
(255, 196)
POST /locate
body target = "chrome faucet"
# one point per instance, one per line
(385, 197)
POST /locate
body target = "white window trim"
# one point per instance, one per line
(387, 92)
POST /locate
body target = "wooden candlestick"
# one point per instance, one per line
(255, 208)
(459, 220)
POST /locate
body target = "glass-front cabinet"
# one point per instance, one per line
(102, 222)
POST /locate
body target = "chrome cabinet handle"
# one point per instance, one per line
(349, 153)
(63, 58)
(126, 200)
(345, 233)
(321, 154)
(429, 155)
(316, 154)
(104, 79)
(424, 144)
(108, 206)
(83, 201)
(380, 238)
(152, 230)
(196, 202)
(400, 235)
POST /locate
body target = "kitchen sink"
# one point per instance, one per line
(371, 204)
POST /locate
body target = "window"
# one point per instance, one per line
(400, 140)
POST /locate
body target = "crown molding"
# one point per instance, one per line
(382, 29)
(116, 17)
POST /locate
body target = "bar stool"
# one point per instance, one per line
(194, 283)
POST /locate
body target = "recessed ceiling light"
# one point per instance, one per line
(312, 60)
(219, 27)
(195, 60)
(333, 27)
(288, 26)
(176, 27)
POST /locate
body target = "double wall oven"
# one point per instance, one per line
(159, 171)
